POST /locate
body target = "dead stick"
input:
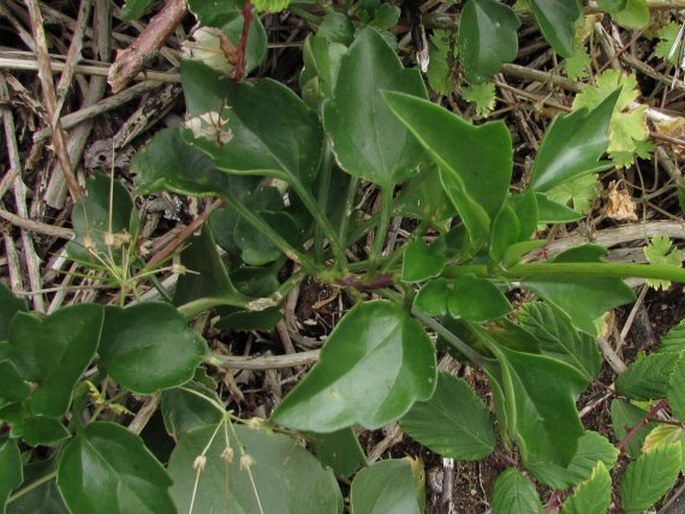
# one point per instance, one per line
(50, 98)
(131, 60)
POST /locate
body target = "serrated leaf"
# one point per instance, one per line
(573, 144)
(487, 38)
(10, 470)
(592, 496)
(357, 377)
(576, 66)
(648, 378)
(625, 416)
(442, 52)
(454, 423)
(386, 486)
(674, 340)
(661, 252)
(580, 193)
(54, 352)
(635, 15)
(676, 390)
(662, 435)
(476, 187)
(422, 261)
(482, 94)
(557, 21)
(514, 494)
(106, 468)
(648, 478)
(668, 47)
(147, 347)
(262, 483)
(560, 339)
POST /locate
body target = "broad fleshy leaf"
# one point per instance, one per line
(54, 352)
(573, 145)
(423, 261)
(634, 15)
(10, 470)
(375, 364)
(321, 64)
(183, 410)
(453, 423)
(592, 496)
(262, 479)
(147, 347)
(487, 37)
(13, 387)
(368, 140)
(648, 478)
(339, 450)
(388, 486)
(476, 187)
(514, 494)
(39, 430)
(106, 468)
(45, 498)
(560, 339)
(9, 306)
(213, 14)
(557, 19)
(505, 233)
(648, 378)
(599, 294)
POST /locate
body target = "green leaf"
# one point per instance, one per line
(592, 496)
(476, 187)
(422, 261)
(339, 450)
(625, 416)
(9, 306)
(106, 468)
(321, 64)
(599, 294)
(212, 14)
(554, 212)
(476, 299)
(674, 340)
(375, 364)
(336, 27)
(612, 5)
(432, 298)
(557, 21)
(572, 145)
(453, 423)
(147, 347)
(264, 482)
(386, 486)
(669, 46)
(134, 9)
(183, 410)
(592, 449)
(576, 66)
(103, 226)
(54, 352)
(207, 279)
(514, 494)
(676, 390)
(580, 193)
(10, 470)
(442, 52)
(483, 95)
(368, 141)
(271, 6)
(648, 478)
(661, 252)
(39, 430)
(648, 378)
(13, 388)
(505, 233)
(487, 38)
(386, 16)
(560, 339)
(635, 15)
(44, 498)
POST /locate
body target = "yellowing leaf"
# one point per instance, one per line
(483, 95)
(673, 128)
(581, 192)
(575, 67)
(659, 251)
(662, 435)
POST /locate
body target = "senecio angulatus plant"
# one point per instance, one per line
(288, 171)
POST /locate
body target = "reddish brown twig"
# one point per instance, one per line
(239, 71)
(650, 416)
(131, 60)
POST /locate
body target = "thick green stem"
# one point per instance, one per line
(382, 227)
(32, 486)
(323, 194)
(576, 269)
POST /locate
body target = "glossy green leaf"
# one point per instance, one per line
(256, 249)
(476, 187)
(557, 19)
(257, 44)
(514, 494)
(560, 339)
(648, 478)
(263, 482)
(375, 364)
(39, 430)
(676, 390)
(422, 261)
(525, 205)
(592, 449)
(648, 378)
(487, 38)
(505, 233)
(44, 498)
(54, 352)
(10, 470)
(599, 294)
(573, 145)
(453, 423)
(213, 14)
(339, 450)
(245, 320)
(423, 198)
(554, 212)
(13, 387)
(432, 298)
(321, 64)
(476, 299)
(592, 496)
(612, 5)
(386, 486)
(106, 468)
(336, 27)
(103, 226)
(635, 15)
(9, 306)
(206, 279)
(368, 140)
(183, 410)
(134, 9)
(624, 417)
(147, 347)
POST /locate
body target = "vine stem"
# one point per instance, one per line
(650, 416)
(578, 269)
(32, 486)
(382, 227)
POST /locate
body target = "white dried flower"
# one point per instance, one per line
(210, 125)
(199, 463)
(207, 48)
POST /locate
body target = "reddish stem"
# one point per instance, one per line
(239, 71)
(650, 416)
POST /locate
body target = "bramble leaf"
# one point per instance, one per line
(442, 51)
(668, 47)
(482, 94)
(394, 485)
(660, 251)
(514, 494)
(593, 496)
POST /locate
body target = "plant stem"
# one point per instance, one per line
(382, 227)
(347, 214)
(323, 194)
(32, 486)
(649, 416)
(576, 269)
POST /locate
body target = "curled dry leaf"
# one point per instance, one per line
(210, 125)
(619, 205)
(212, 47)
(673, 128)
